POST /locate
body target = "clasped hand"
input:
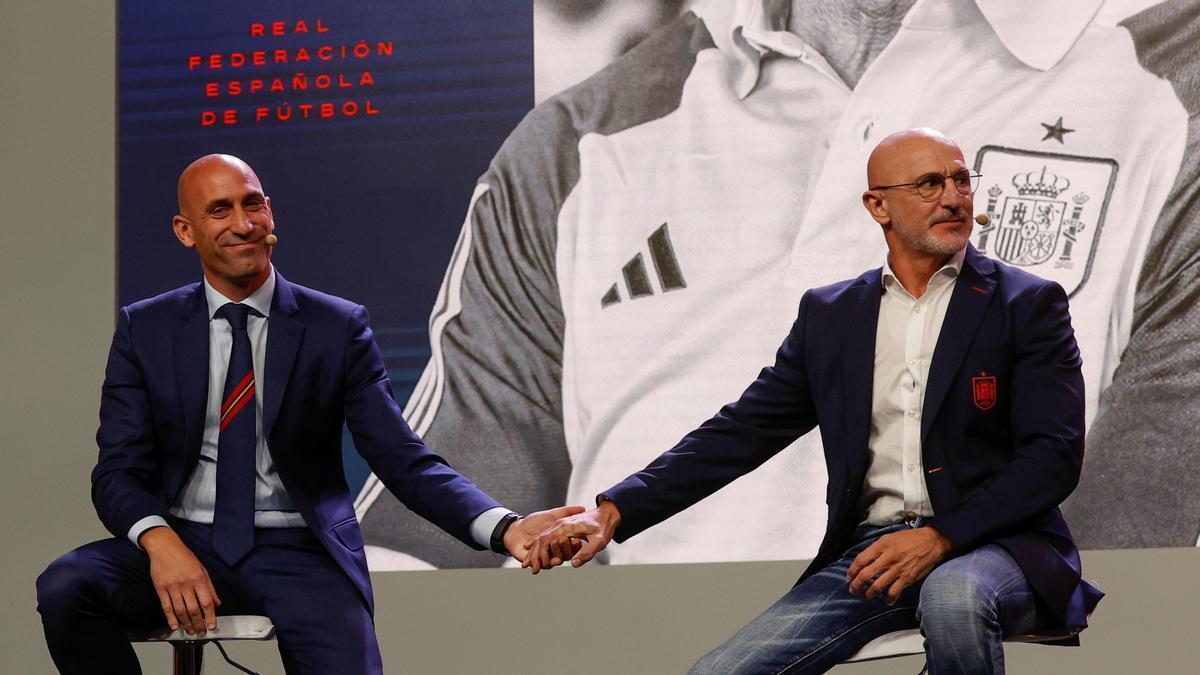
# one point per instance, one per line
(519, 534)
(578, 538)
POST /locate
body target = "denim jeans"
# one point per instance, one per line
(964, 608)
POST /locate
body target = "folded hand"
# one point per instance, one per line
(896, 561)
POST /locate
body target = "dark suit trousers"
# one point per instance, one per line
(89, 597)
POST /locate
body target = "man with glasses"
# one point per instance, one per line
(948, 391)
(931, 185)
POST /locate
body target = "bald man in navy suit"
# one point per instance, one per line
(220, 467)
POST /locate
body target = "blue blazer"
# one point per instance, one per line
(322, 368)
(1002, 427)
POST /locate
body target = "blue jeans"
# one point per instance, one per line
(964, 608)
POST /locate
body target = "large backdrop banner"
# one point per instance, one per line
(582, 227)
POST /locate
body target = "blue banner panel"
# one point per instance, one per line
(367, 122)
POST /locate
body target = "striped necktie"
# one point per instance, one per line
(233, 519)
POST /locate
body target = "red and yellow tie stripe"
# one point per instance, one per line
(237, 399)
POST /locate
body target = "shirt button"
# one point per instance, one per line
(917, 309)
(911, 414)
(912, 362)
(912, 467)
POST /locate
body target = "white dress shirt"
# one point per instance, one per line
(905, 337)
(273, 507)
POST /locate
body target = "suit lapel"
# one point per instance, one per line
(969, 301)
(190, 354)
(283, 343)
(861, 311)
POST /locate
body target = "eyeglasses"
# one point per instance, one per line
(931, 185)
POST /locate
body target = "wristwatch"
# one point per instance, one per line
(497, 542)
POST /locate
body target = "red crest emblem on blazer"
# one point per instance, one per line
(984, 390)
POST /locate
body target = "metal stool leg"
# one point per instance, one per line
(189, 657)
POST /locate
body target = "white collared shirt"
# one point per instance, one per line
(197, 500)
(905, 337)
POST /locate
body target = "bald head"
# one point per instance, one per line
(892, 161)
(225, 217)
(907, 174)
(205, 169)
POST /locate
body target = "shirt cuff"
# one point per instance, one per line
(485, 523)
(145, 524)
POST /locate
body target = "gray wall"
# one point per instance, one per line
(57, 253)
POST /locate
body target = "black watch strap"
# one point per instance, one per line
(497, 543)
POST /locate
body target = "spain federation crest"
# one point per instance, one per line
(983, 388)
(1045, 210)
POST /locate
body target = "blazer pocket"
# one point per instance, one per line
(349, 534)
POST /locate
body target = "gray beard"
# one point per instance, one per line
(927, 243)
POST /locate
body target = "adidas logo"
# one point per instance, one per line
(637, 279)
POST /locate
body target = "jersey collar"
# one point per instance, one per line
(1037, 33)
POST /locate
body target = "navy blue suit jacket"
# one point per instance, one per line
(1002, 428)
(322, 368)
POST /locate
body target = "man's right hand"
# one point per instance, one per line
(184, 590)
(553, 546)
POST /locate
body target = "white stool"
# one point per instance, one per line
(189, 649)
(909, 641)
